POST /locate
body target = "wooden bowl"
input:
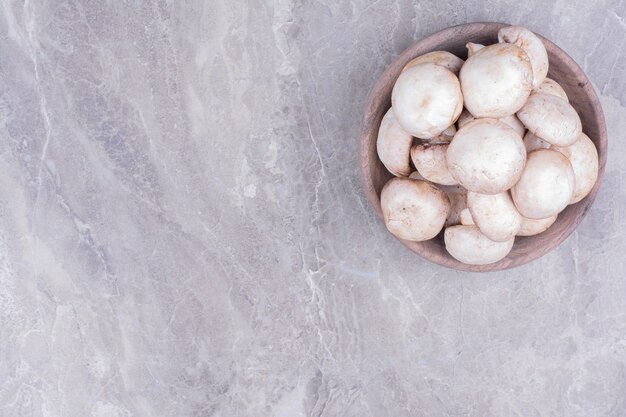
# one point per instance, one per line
(563, 69)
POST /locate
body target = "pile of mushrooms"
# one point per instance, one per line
(487, 149)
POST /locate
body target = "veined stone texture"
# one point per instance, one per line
(183, 230)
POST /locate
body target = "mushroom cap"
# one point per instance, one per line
(466, 217)
(412, 209)
(546, 186)
(551, 118)
(486, 156)
(430, 161)
(426, 99)
(458, 202)
(394, 146)
(531, 227)
(416, 176)
(512, 121)
(464, 118)
(532, 45)
(532, 142)
(583, 156)
(472, 48)
(549, 86)
(468, 245)
(495, 215)
(446, 136)
(443, 58)
(496, 81)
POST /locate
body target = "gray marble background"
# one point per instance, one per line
(183, 231)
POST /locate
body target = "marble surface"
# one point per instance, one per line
(183, 232)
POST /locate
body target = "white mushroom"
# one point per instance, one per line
(531, 227)
(446, 136)
(416, 176)
(495, 215)
(458, 202)
(468, 245)
(532, 142)
(443, 58)
(496, 80)
(486, 156)
(583, 156)
(394, 146)
(510, 120)
(472, 48)
(532, 45)
(430, 161)
(546, 186)
(412, 209)
(549, 86)
(466, 217)
(464, 118)
(551, 118)
(426, 100)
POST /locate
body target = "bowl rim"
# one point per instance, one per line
(370, 121)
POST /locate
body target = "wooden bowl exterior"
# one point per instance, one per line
(563, 69)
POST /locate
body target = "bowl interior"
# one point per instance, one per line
(563, 69)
